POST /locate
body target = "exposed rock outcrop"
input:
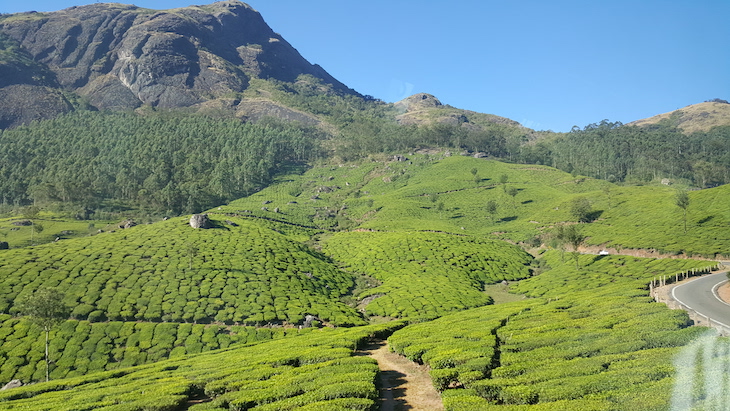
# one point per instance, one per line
(200, 221)
(12, 384)
(121, 56)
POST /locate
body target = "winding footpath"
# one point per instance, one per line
(701, 295)
(404, 385)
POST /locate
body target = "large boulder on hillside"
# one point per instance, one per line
(4, 245)
(200, 221)
(12, 384)
(416, 102)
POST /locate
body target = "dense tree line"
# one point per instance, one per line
(177, 163)
(617, 152)
(167, 162)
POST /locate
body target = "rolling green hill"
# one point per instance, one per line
(407, 236)
(340, 220)
(435, 192)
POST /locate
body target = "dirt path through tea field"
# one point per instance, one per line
(404, 385)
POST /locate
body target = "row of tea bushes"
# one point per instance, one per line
(594, 340)
(423, 274)
(464, 349)
(171, 272)
(316, 371)
(80, 347)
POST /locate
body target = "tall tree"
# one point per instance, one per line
(46, 309)
(581, 210)
(492, 209)
(503, 180)
(573, 235)
(681, 199)
(512, 192)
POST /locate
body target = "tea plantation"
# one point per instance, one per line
(171, 272)
(593, 339)
(80, 347)
(317, 370)
(167, 317)
(426, 275)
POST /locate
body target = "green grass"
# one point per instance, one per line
(647, 218)
(437, 193)
(53, 227)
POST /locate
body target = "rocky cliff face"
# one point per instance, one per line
(121, 56)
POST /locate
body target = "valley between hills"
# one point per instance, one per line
(349, 254)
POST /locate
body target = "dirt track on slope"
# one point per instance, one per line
(404, 385)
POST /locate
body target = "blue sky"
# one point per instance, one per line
(547, 64)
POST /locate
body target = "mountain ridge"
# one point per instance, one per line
(122, 57)
(694, 117)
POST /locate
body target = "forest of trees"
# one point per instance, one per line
(168, 163)
(175, 163)
(624, 153)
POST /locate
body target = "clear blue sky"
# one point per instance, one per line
(546, 64)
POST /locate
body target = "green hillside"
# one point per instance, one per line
(416, 235)
(433, 192)
(337, 222)
(589, 339)
(169, 271)
(316, 370)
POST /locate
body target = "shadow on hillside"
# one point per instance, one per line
(593, 216)
(218, 224)
(507, 219)
(597, 258)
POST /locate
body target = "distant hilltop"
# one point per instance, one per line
(695, 117)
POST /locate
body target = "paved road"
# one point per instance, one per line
(701, 295)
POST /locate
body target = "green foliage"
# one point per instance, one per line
(115, 345)
(581, 209)
(616, 152)
(245, 274)
(426, 274)
(681, 199)
(169, 163)
(588, 340)
(44, 307)
(629, 217)
(647, 218)
(316, 371)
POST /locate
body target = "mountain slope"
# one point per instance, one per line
(121, 56)
(695, 117)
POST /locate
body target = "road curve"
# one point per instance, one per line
(700, 295)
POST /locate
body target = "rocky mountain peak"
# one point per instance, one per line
(122, 56)
(418, 102)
